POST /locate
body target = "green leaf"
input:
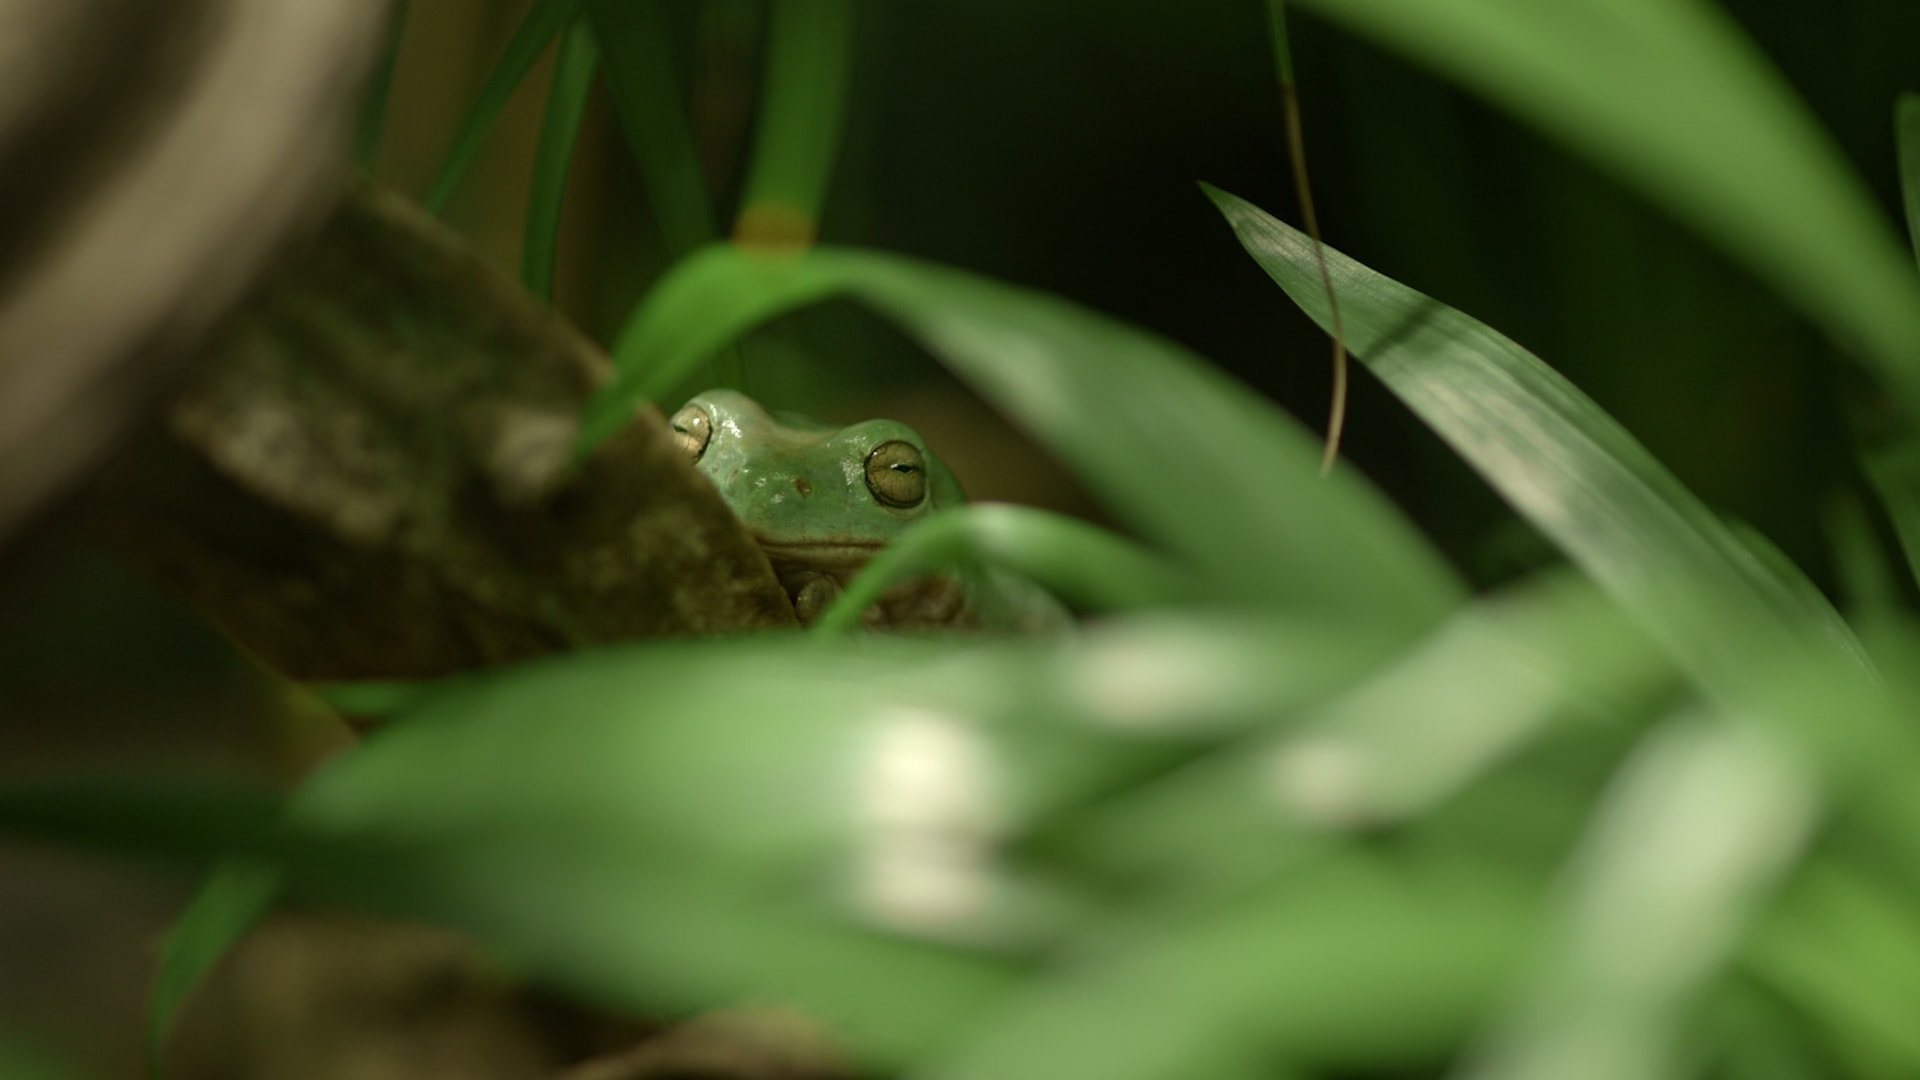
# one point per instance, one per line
(373, 110)
(638, 66)
(1499, 677)
(647, 826)
(1565, 465)
(566, 105)
(543, 22)
(1906, 137)
(1647, 921)
(21, 1059)
(1846, 949)
(1089, 567)
(1300, 972)
(1189, 459)
(799, 124)
(170, 820)
(1669, 96)
(236, 897)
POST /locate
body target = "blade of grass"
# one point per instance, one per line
(1866, 576)
(1906, 137)
(566, 105)
(1086, 566)
(1564, 464)
(638, 66)
(544, 21)
(799, 124)
(373, 110)
(1303, 191)
(236, 897)
(1669, 96)
(639, 70)
(1189, 459)
(1890, 450)
(1894, 471)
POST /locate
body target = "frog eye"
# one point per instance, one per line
(897, 474)
(692, 430)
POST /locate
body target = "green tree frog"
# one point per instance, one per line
(820, 501)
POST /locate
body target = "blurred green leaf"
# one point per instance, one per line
(1890, 454)
(1282, 46)
(1498, 677)
(1693, 837)
(1121, 406)
(1564, 464)
(1906, 137)
(799, 124)
(543, 22)
(236, 897)
(1346, 964)
(1089, 567)
(1846, 949)
(23, 1059)
(566, 105)
(173, 820)
(651, 827)
(1866, 575)
(373, 109)
(1669, 96)
(638, 65)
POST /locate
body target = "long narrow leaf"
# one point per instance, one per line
(1890, 450)
(1188, 458)
(227, 906)
(543, 22)
(1090, 567)
(799, 125)
(1906, 136)
(1669, 96)
(638, 66)
(566, 105)
(373, 109)
(1562, 462)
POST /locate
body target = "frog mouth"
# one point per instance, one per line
(836, 557)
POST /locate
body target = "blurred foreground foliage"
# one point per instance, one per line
(1306, 806)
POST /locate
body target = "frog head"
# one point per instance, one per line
(819, 500)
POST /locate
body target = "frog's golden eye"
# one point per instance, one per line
(692, 430)
(897, 474)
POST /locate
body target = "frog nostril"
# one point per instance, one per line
(800, 485)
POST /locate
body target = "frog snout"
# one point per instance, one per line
(801, 485)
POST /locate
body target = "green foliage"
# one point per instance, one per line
(1099, 394)
(641, 79)
(543, 22)
(1085, 566)
(566, 102)
(1295, 803)
(227, 906)
(800, 121)
(1670, 97)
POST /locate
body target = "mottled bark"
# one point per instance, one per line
(370, 475)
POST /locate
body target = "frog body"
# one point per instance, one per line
(821, 501)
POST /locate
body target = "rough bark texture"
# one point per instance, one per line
(371, 476)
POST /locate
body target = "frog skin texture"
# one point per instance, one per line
(821, 501)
